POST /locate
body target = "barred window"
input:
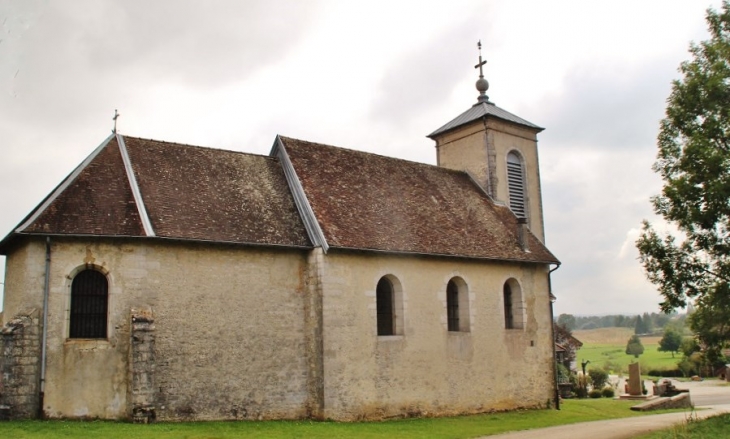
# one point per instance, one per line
(385, 306)
(452, 306)
(89, 304)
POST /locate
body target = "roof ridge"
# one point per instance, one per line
(197, 146)
(429, 165)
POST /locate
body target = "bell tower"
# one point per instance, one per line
(499, 150)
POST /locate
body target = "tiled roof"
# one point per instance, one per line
(371, 202)
(215, 195)
(98, 201)
(189, 192)
(480, 110)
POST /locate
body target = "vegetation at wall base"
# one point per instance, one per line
(572, 411)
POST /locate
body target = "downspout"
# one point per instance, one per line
(552, 334)
(45, 328)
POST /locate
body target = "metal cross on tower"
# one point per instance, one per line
(116, 116)
(481, 63)
(482, 84)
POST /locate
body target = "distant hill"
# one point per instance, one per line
(617, 336)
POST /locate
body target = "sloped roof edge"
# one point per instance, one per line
(136, 193)
(483, 110)
(316, 235)
(35, 213)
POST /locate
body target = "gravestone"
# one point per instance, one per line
(635, 380)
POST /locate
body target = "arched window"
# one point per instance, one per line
(452, 305)
(516, 185)
(89, 304)
(512, 296)
(457, 305)
(386, 307)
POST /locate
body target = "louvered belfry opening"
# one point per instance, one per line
(89, 304)
(385, 306)
(516, 185)
(509, 322)
(452, 305)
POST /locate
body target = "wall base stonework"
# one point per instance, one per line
(20, 366)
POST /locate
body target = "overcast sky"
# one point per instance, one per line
(374, 76)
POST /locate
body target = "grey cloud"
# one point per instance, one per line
(606, 110)
(424, 79)
(67, 60)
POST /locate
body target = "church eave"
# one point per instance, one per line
(9, 241)
(446, 255)
(483, 111)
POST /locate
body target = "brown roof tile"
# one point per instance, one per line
(98, 202)
(372, 202)
(215, 195)
(189, 192)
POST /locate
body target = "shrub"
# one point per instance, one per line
(595, 393)
(666, 373)
(598, 377)
(607, 392)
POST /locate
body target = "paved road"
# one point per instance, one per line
(712, 398)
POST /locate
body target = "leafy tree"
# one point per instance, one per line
(689, 346)
(648, 323)
(694, 162)
(634, 346)
(670, 342)
(640, 326)
(567, 321)
(599, 378)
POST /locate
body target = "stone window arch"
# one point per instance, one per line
(89, 305)
(389, 305)
(513, 305)
(516, 185)
(457, 305)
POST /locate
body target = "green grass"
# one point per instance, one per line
(572, 411)
(614, 356)
(716, 427)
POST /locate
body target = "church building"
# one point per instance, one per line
(162, 281)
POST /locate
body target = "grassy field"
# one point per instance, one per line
(572, 411)
(717, 427)
(606, 347)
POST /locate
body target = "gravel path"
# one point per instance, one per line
(710, 391)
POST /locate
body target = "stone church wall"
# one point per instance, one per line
(20, 366)
(228, 338)
(428, 370)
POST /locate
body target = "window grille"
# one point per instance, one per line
(452, 305)
(89, 303)
(516, 185)
(385, 307)
(508, 315)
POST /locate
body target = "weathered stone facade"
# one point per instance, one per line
(262, 334)
(20, 366)
(428, 369)
(229, 330)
